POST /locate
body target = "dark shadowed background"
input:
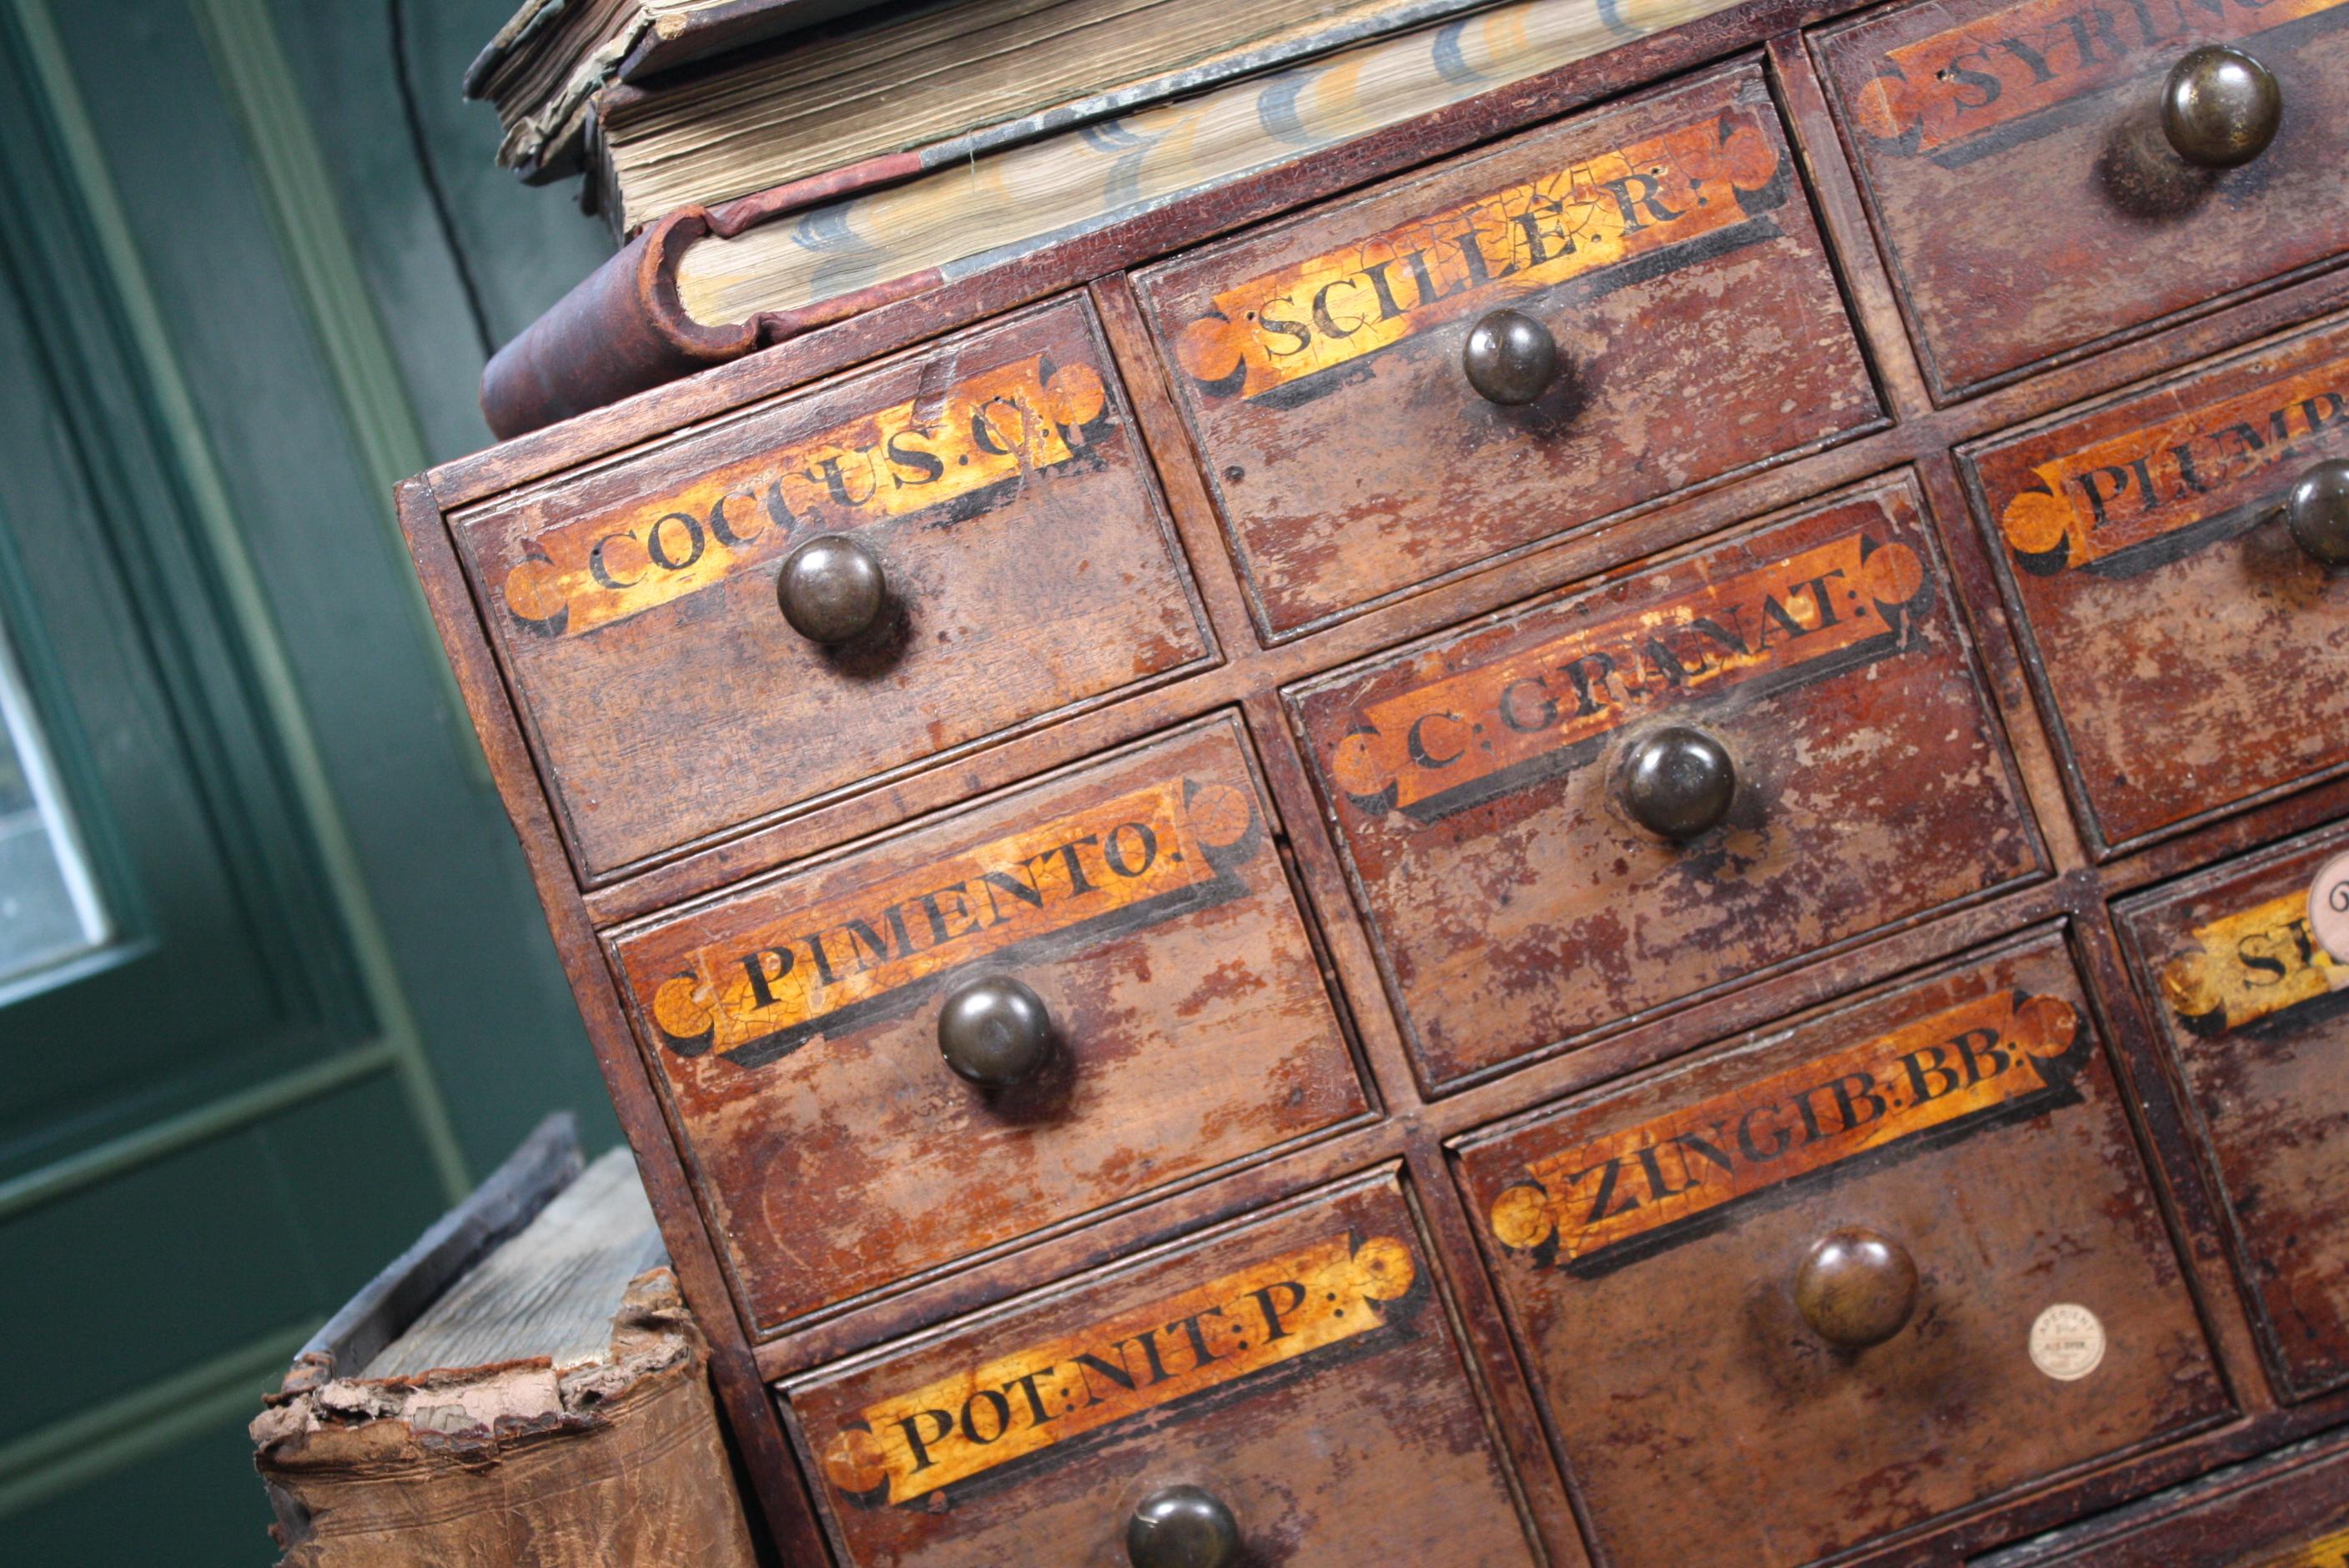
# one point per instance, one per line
(280, 991)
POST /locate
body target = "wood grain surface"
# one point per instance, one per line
(1666, 245)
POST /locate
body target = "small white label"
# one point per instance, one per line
(2067, 1342)
(2328, 908)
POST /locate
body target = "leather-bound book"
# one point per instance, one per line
(524, 1386)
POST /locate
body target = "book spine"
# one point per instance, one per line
(620, 331)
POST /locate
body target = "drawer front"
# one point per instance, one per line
(795, 1025)
(1299, 1369)
(1479, 784)
(2255, 1009)
(1028, 563)
(2195, 656)
(1661, 1253)
(2289, 1509)
(2014, 159)
(1666, 247)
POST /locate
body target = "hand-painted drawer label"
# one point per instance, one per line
(1451, 744)
(1477, 780)
(758, 987)
(1648, 1243)
(2012, 156)
(906, 1447)
(963, 446)
(2135, 499)
(1598, 1206)
(2194, 656)
(1666, 244)
(1944, 94)
(2250, 965)
(1292, 1361)
(1030, 567)
(1704, 181)
(791, 1022)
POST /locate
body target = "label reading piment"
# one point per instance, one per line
(2067, 1342)
(770, 975)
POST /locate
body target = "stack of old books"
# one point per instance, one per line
(771, 166)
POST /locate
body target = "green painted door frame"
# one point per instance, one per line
(231, 312)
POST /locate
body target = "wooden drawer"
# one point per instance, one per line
(1029, 566)
(793, 1023)
(2290, 1510)
(2013, 156)
(1298, 1367)
(2193, 657)
(1665, 244)
(1477, 783)
(1647, 1244)
(2255, 1010)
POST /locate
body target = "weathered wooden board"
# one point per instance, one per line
(1299, 1367)
(2255, 1010)
(2012, 155)
(1666, 243)
(1646, 1240)
(793, 1021)
(1474, 782)
(2194, 656)
(2289, 1509)
(1030, 567)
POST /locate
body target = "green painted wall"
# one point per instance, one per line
(232, 312)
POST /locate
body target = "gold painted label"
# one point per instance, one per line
(2249, 966)
(764, 980)
(1944, 95)
(984, 431)
(2106, 504)
(1696, 182)
(1614, 1199)
(1459, 741)
(906, 1447)
(2330, 1550)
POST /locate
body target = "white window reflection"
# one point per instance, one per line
(50, 911)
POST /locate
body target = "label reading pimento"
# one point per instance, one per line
(906, 1447)
(1441, 748)
(767, 975)
(1598, 1206)
(1943, 94)
(1689, 183)
(2250, 965)
(2106, 506)
(986, 430)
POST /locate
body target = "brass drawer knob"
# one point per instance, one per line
(1856, 1287)
(2317, 510)
(2221, 107)
(995, 1031)
(1511, 358)
(1182, 1527)
(830, 589)
(1679, 782)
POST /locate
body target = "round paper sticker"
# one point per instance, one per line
(2066, 1342)
(2328, 908)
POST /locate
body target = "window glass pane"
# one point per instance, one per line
(49, 907)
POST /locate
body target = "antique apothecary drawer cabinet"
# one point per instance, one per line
(1613, 832)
